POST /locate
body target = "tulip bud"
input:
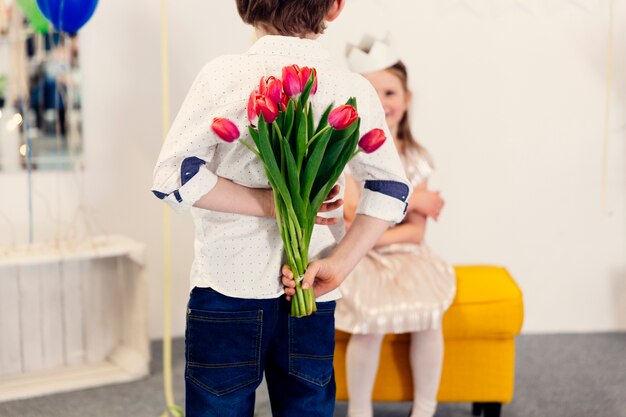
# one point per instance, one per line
(271, 87)
(372, 140)
(342, 116)
(291, 80)
(260, 104)
(225, 129)
(305, 73)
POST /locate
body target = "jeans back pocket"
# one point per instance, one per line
(223, 349)
(312, 345)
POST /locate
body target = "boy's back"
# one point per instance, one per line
(241, 255)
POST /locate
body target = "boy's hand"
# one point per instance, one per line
(429, 203)
(323, 275)
(326, 206)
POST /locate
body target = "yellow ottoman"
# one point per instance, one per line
(479, 355)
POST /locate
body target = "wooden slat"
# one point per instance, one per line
(73, 320)
(30, 317)
(52, 316)
(10, 333)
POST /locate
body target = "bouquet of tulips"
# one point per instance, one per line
(302, 161)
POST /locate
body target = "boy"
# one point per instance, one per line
(238, 323)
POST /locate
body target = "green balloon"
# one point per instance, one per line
(37, 20)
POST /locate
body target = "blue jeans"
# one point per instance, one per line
(231, 342)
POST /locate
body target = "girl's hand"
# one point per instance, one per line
(429, 203)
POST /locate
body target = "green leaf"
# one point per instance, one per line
(293, 179)
(274, 132)
(313, 163)
(288, 121)
(301, 138)
(274, 174)
(352, 102)
(338, 167)
(309, 119)
(338, 146)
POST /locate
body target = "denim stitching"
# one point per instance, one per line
(221, 365)
(292, 356)
(316, 357)
(222, 319)
(221, 392)
(258, 343)
(256, 363)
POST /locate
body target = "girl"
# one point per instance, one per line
(400, 286)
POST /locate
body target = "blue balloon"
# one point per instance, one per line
(68, 15)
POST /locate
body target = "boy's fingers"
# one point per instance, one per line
(331, 206)
(309, 276)
(288, 282)
(287, 272)
(333, 192)
(326, 221)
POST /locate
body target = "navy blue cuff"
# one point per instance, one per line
(395, 189)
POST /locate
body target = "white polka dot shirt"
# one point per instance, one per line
(241, 256)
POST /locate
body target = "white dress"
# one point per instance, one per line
(398, 288)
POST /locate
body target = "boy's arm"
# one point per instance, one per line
(230, 197)
(324, 275)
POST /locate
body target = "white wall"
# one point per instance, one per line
(509, 98)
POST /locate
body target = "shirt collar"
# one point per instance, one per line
(289, 46)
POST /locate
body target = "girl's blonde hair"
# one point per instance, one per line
(404, 128)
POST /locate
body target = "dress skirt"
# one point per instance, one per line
(397, 289)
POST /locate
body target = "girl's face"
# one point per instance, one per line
(394, 98)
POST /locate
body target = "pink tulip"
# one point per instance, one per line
(260, 104)
(342, 116)
(372, 140)
(271, 87)
(225, 129)
(305, 73)
(291, 80)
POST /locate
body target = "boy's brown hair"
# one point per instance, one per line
(286, 17)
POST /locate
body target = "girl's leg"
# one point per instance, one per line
(362, 356)
(426, 362)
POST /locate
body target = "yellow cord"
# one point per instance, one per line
(607, 107)
(172, 409)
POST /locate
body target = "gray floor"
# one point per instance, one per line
(567, 375)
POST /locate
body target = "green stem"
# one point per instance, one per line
(318, 134)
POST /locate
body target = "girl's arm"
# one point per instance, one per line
(411, 230)
(426, 202)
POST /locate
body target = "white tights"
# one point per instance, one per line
(426, 357)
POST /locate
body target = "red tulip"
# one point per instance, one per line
(291, 80)
(284, 102)
(295, 79)
(342, 116)
(225, 129)
(372, 140)
(260, 104)
(305, 73)
(271, 87)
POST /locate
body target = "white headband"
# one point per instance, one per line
(371, 55)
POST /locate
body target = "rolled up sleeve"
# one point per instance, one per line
(386, 187)
(181, 176)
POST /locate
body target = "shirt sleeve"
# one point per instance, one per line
(386, 188)
(181, 176)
